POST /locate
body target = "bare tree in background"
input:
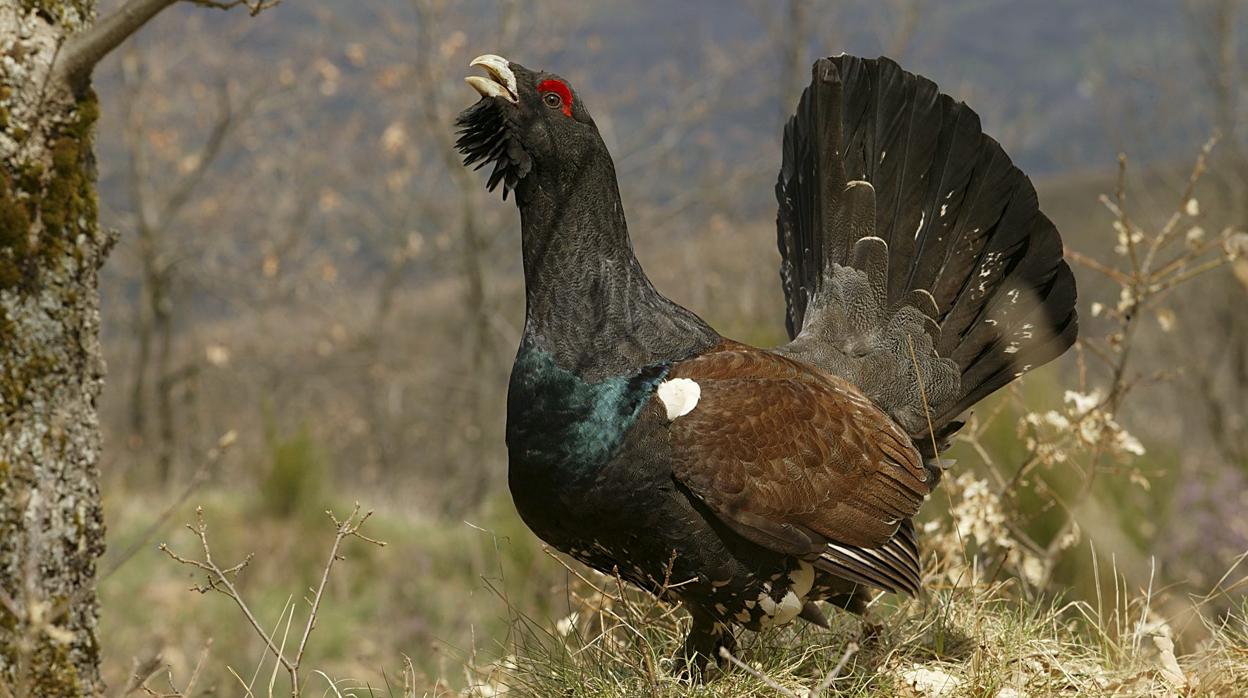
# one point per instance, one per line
(1220, 379)
(439, 109)
(793, 38)
(805, 25)
(438, 86)
(51, 248)
(157, 205)
(1215, 41)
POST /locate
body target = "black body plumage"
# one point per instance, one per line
(750, 484)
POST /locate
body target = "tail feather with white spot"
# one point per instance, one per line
(916, 261)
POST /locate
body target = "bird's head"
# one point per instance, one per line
(525, 121)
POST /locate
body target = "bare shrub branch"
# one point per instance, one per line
(1086, 435)
(223, 580)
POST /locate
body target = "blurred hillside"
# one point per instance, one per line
(304, 266)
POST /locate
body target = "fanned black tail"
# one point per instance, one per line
(878, 153)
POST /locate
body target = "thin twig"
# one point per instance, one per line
(824, 685)
(221, 580)
(199, 666)
(771, 683)
(199, 477)
(1086, 261)
(345, 529)
(83, 51)
(1198, 169)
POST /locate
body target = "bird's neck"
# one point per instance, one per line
(588, 302)
(575, 238)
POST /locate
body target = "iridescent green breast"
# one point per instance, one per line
(558, 422)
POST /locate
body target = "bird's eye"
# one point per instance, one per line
(556, 95)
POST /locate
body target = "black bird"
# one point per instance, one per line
(748, 484)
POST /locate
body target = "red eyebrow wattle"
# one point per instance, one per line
(560, 88)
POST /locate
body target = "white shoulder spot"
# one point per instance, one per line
(679, 396)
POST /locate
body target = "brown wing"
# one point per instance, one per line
(793, 458)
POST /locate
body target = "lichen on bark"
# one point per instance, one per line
(51, 247)
(70, 15)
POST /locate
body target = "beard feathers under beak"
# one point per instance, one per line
(486, 128)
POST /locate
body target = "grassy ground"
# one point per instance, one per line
(476, 607)
(479, 609)
(964, 639)
(423, 595)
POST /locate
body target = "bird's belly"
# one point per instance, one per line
(588, 518)
(652, 537)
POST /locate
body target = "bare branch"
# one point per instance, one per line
(222, 580)
(770, 682)
(81, 53)
(254, 7)
(141, 670)
(226, 120)
(197, 478)
(199, 666)
(824, 685)
(346, 529)
(143, 673)
(1096, 265)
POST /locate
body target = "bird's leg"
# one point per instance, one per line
(705, 639)
(855, 601)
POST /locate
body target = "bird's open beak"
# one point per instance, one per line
(501, 83)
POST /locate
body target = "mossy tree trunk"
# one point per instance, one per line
(51, 247)
(51, 369)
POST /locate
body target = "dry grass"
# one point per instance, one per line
(577, 633)
(974, 640)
